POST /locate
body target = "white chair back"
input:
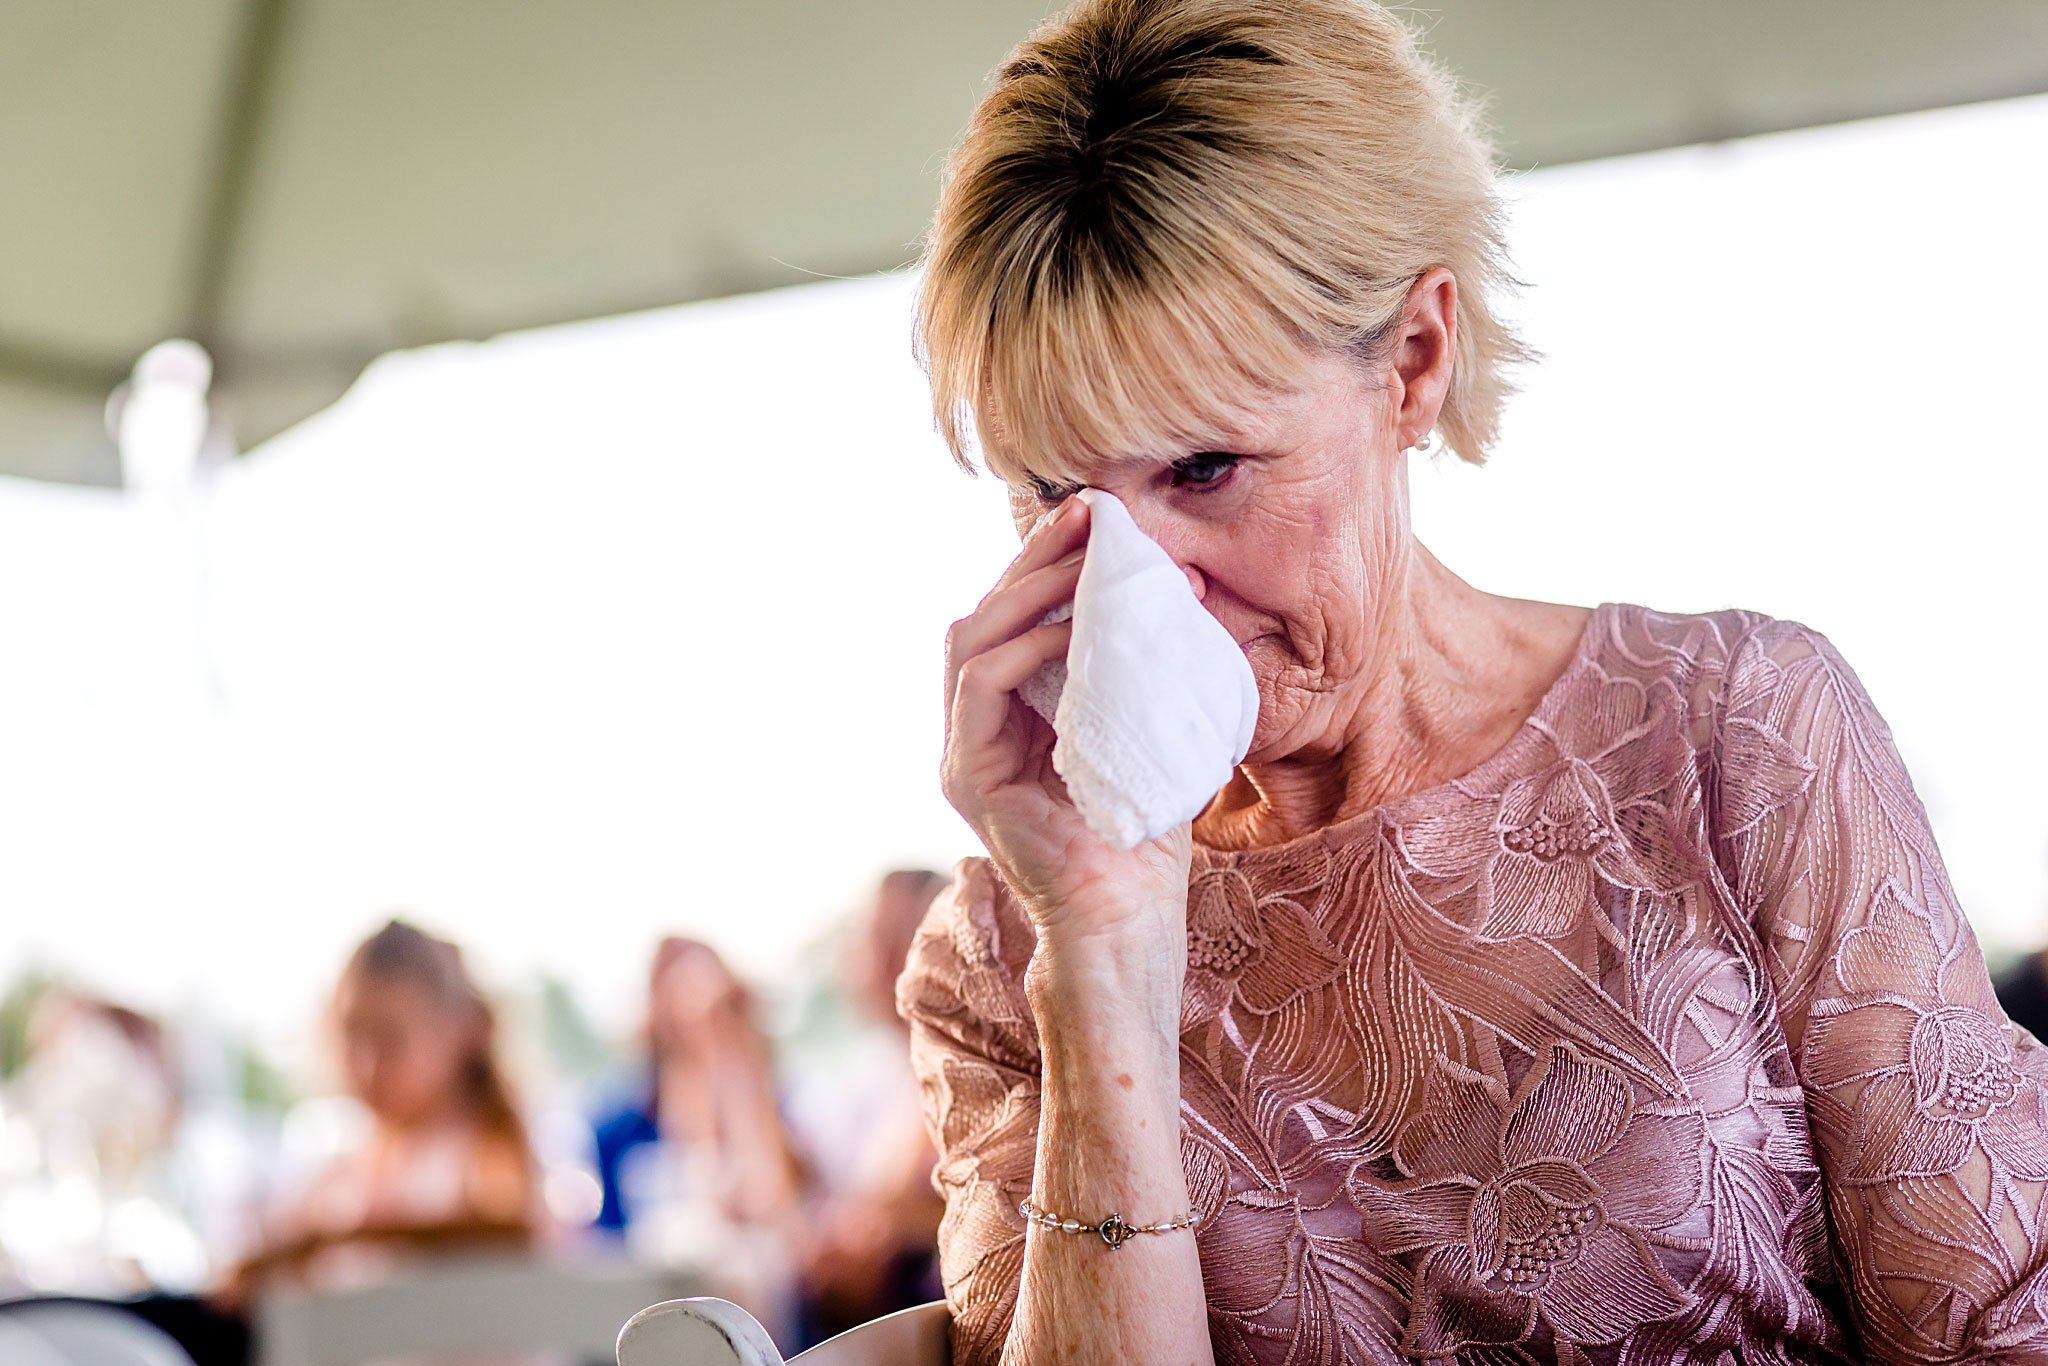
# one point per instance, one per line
(696, 1332)
(74, 1333)
(708, 1332)
(460, 1308)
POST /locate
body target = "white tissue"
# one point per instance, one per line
(1154, 704)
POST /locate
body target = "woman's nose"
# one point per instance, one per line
(1174, 538)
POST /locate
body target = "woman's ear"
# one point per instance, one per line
(1424, 355)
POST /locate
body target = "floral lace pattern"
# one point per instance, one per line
(1659, 1037)
(1527, 1209)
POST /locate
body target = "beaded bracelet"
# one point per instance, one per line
(1115, 1230)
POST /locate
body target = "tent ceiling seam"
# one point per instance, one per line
(225, 203)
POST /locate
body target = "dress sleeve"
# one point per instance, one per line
(975, 1049)
(1924, 1103)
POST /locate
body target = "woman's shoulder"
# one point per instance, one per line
(1763, 698)
(964, 977)
(1721, 665)
(1644, 639)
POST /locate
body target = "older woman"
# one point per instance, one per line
(1548, 984)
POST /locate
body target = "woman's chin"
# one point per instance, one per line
(1281, 707)
(1274, 737)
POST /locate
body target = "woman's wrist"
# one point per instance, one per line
(1109, 1119)
(1107, 989)
(1135, 943)
(1109, 1025)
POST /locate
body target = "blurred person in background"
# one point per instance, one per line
(697, 1164)
(873, 1246)
(2023, 992)
(446, 1164)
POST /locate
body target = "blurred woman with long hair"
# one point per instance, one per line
(698, 1166)
(446, 1165)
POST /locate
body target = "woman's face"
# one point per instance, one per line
(1292, 527)
(403, 1052)
(692, 993)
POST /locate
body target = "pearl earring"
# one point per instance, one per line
(1427, 444)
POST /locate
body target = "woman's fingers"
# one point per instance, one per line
(993, 651)
(1057, 539)
(981, 701)
(1009, 610)
(1063, 531)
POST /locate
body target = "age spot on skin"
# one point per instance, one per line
(1123, 1079)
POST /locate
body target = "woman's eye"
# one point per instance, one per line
(1049, 492)
(1198, 471)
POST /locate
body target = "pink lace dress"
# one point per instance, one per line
(1658, 1037)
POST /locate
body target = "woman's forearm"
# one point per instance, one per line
(1109, 1141)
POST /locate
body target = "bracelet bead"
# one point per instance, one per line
(1114, 1230)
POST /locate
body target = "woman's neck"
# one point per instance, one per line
(1451, 678)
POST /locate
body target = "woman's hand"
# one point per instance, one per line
(1104, 983)
(998, 769)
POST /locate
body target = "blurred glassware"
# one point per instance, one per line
(89, 1191)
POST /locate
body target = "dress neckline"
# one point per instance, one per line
(1533, 725)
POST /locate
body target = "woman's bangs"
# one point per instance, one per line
(1081, 384)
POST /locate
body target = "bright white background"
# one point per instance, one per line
(573, 637)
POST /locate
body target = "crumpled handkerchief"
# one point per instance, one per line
(1155, 704)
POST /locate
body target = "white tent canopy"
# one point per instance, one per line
(304, 184)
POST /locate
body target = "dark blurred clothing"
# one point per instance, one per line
(628, 1125)
(2023, 992)
(209, 1335)
(905, 1280)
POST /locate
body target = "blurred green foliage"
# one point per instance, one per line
(260, 1083)
(17, 1006)
(575, 1049)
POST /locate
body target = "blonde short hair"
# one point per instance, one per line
(1161, 202)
